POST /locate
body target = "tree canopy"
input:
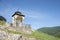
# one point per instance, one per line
(2, 18)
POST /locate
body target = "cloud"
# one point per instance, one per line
(34, 14)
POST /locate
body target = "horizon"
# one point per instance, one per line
(38, 13)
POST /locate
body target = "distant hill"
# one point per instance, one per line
(43, 36)
(55, 31)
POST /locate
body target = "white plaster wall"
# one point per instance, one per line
(15, 16)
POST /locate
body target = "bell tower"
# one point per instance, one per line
(17, 18)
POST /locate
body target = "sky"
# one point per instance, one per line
(38, 13)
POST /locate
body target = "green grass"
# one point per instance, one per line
(36, 34)
(54, 31)
(43, 36)
(2, 22)
(10, 31)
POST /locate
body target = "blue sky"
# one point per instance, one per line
(38, 13)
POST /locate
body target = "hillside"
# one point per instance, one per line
(36, 34)
(43, 36)
(55, 31)
(2, 22)
(9, 33)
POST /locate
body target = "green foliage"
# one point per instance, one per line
(2, 18)
(55, 31)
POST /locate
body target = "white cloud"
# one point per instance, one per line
(34, 14)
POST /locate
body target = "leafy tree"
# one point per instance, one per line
(2, 18)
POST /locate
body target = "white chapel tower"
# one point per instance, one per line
(17, 18)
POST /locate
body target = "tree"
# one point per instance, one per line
(2, 18)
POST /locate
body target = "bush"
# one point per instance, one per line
(2, 18)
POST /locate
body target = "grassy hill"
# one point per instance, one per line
(2, 22)
(36, 34)
(43, 36)
(55, 31)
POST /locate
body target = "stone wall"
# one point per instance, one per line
(25, 28)
(4, 35)
(10, 36)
